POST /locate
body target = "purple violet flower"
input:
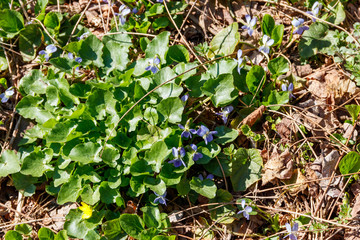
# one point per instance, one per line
(267, 42)
(185, 97)
(178, 153)
(83, 36)
(292, 230)
(135, 10)
(7, 94)
(206, 134)
(153, 65)
(225, 113)
(209, 176)
(246, 210)
(160, 198)
(187, 131)
(48, 51)
(250, 24)
(315, 10)
(123, 11)
(299, 28)
(196, 155)
(239, 61)
(289, 89)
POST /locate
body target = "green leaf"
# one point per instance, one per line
(9, 163)
(155, 184)
(45, 234)
(11, 23)
(221, 90)
(151, 115)
(277, 98)
(170, 89)
(52, 21)
(255, 79)
(158, 47)
(156, 155)
(171, 109)
(222, 67)
(183, 187)
(221, 213)
(28, 108)
(60, 132)
(91, 51)
(224, 43)
(160, 22)
(13, 235)
(132, 224)
(37, 162)
(160, 237)
(168, 175)
(29, 41)
(107, 194)
(225, 135)
(64, 64)
(340, 14)
(178, 53)
(277, 34)
(62, 235)
(33, 83)
(85, 153)
(350, 163)
(354, 111)
(112, 229)
(208, 151)
(90, 196)
(25, 183)
(267, 25)
(115, 44)
(23, 228)
(151, 216)
(246, 168)
(278, 66)
(40, 6)
(314, 40)
(70, 191)
(3, 62)
(75, 226)
(206, 187)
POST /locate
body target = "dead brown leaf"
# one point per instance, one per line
(299, 179)
(254, 116)
(280, 166)
(285, 128)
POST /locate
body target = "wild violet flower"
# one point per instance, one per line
(299, 28)
(250, 24)
(187, 131)
(289, 89)
(135, 10)
(123, 11)
(225, 113)
(83, 36)
(160, 198)
(160, 1)
(196, 155)
(48, 51)
(178, 153)
(185, 97)
(153, 65)
(206, 134)
(292, 230)
(210, 176)
(267, 42)
(239, 61)
(246, 210)
(7, 94)
(315, 10)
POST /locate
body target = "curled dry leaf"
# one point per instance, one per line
(255, 115)
(280, 166)
(299, 179)
(285, 128)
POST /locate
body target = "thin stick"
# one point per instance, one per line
(182, 36)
